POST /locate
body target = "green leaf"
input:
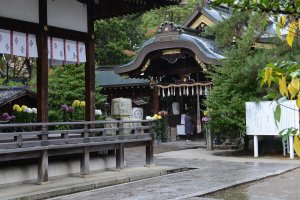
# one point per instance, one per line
(282, 100)
(271, 95)
(278, 32)
(277, 114)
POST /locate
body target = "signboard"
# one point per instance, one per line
(260, 117)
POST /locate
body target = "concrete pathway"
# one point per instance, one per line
(209, 173)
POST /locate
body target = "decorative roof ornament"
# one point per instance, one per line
(168, 27)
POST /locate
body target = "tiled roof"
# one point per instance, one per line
(108, 78)
(8, 94)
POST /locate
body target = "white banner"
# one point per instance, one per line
(60, 51)
(17, 43)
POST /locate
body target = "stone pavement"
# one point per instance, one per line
(209, 173)
(284, 186)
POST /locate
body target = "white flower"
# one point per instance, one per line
(34, 110)
(148, 118)
(28, 110)
(98, 112)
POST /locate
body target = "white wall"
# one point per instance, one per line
(28, 172)
(68, 14)
(25, 10)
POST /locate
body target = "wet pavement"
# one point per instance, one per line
(284, 186)
(209, 173)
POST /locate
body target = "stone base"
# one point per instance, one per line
(21, 172)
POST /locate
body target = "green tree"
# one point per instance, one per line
(236, 80)
(177, 14)
(284, 12)
(66, 84)
(114, 36)
(284, 73)
(117, 39)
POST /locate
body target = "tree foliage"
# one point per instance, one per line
(177, 14)
(273, 7)
(114, 36)
(66, 84)
(285, 13)
(118, 38)
(236, 80)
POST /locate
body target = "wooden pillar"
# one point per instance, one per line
(43, 159)
(43, 167)
(155, 100)
(120, 157)
(90, 66)
(209, 139)
(149, 153)
(42, 64)
(42, 88)
(85, 162)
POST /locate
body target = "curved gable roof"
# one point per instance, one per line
(203, 48)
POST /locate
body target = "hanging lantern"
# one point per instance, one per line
(206, 91)
(168, 92)
(187, 91)
(192, 91)
(179, 91)
(174, 92)
(163, 93)
(201, 92)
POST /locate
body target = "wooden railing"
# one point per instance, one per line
(41, 140)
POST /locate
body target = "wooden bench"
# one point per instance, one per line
(41, 140)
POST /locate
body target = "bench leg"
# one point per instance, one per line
(43, 167)
(85, 162)
(120, 157)
(149, 154)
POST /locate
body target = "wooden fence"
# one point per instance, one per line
(41, 140)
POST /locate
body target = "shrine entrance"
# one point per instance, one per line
(176, 61)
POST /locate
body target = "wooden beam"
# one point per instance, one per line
(90, 66)
(42, 64)
(155, 100)
(19, 25)
(67, 34)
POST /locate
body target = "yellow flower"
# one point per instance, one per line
(205, 113)
(159, 117)
(16, 106)
(18, 109)
(82, 104)
(23, 107)
(75, 103)
(155, 116)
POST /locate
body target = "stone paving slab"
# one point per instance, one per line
(282, 187)
(68, 185)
